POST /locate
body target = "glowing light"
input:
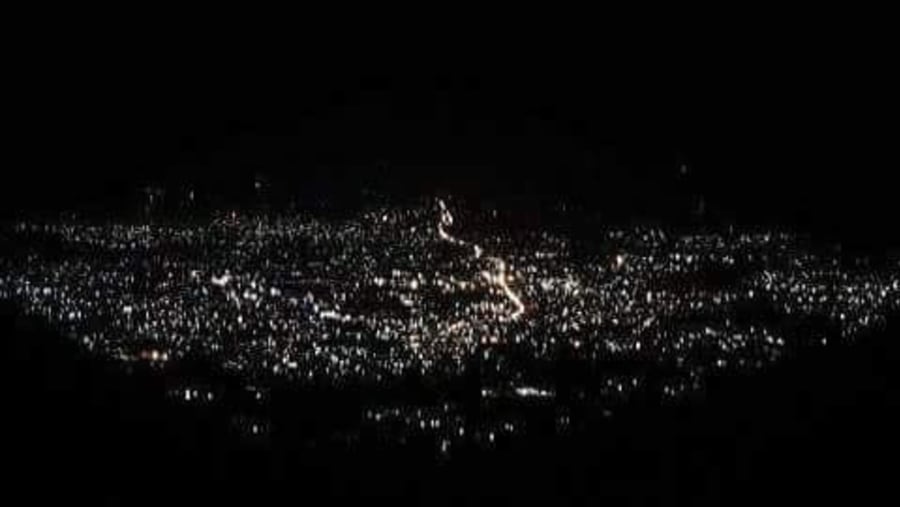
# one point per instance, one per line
(221, 281)
(500, 279)
(532, 392)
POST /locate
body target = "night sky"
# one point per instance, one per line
(769, 135)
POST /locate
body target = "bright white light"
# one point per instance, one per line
(221, 281)
(532, 392)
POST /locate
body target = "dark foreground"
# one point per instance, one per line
(819, 426)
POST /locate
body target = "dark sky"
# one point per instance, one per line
(779, 134)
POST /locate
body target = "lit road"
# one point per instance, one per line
(499, 279)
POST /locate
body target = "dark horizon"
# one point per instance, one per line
(761, 144)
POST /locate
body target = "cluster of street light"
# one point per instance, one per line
(416, 288)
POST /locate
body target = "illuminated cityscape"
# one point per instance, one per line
(434, 289)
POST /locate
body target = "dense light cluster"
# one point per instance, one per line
(401, 289)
